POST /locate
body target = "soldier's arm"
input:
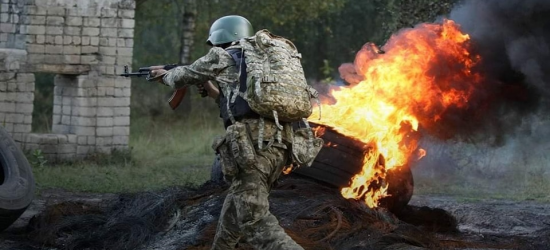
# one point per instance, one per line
(202, 70)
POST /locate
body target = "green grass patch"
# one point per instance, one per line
(91, 177)
(514, 186)
(164, 152)
(171, 151)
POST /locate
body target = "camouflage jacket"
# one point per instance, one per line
(219, 67)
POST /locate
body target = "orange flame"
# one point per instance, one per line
(422, 73)
(288, 169)
(421, 153)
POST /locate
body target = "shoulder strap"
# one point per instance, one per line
(238, 57)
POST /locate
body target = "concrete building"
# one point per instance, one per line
(85, 43)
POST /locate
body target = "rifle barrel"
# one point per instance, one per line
(170, 66)
(144, 71)
(138, 74)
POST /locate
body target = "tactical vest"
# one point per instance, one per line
(238, 107)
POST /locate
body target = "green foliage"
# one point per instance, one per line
(156, 33)
(408, 13)
(121, 157)
(282, 12)
(36, 158)
(316, 27)
(43, 103)
(116, 178)
(327, 72)
(166, 151)
(156, 42)
(332, 30)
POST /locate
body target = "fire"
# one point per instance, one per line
(421, 153)
(423, 72)
(288, 169)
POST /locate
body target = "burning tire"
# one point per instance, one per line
(341, 158)
(16, 181)
(400, 189)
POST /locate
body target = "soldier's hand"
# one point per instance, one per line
(211, 89)
(202, 90)
(157, 74)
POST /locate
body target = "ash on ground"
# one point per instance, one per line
(315, 215)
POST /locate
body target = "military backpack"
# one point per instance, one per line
(276, 88)
(276, 84)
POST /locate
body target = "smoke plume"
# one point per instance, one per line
(510, 35)
(513, 40)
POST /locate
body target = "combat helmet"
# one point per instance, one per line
(229, 29)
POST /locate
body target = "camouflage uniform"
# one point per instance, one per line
(245, 211)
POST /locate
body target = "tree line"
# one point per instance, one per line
(326, 32)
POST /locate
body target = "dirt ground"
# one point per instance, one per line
(326, 221)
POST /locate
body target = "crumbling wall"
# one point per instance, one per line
(86, 43)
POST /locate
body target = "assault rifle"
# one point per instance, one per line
(178, 94)
(145, 71)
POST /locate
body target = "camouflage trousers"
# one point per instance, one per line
(245, 212)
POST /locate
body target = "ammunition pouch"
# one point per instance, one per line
(240, 144)
(228, 165)
(305, 147)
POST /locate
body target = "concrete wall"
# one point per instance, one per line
(86, 43)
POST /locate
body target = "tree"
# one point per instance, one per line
(408, 13)
(187, 14)
(326, 32)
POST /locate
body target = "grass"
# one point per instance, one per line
(164, 152)
(479, 190)
(513, 185)
(517, 170)
(168, 151)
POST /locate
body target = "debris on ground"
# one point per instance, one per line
(315, 215)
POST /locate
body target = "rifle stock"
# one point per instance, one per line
(177, 97)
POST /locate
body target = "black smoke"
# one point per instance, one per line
(513, 39)
(511, 36)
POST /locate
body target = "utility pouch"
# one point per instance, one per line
(240, 144)
(305, 147)
(228, 166)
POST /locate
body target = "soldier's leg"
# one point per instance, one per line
(260, 228)
(227, 231)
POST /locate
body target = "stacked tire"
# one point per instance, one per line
(339, 160)
(342, 157)
(16, 181)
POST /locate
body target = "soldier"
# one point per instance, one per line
(245, 212)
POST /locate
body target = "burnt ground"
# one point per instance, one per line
(314, 215)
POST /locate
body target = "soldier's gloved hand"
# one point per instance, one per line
(202, 90)
(157, 75)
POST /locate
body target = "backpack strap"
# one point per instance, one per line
(234, 104)
(315, 95)
(241, 66)
(227, 103)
